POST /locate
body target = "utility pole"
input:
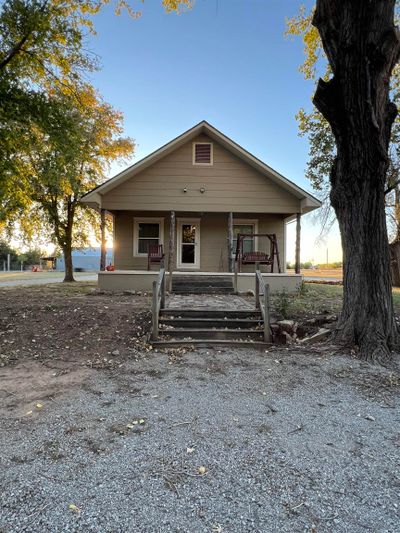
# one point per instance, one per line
(327, 257)
(8, 262)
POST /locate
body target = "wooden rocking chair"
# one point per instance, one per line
(155, 254)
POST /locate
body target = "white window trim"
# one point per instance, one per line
(179, 222)
(239, 221)
(149, 220)
(194, 155)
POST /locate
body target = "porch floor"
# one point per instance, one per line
(230, 302)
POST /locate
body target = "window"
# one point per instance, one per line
(249, 244)
(147, 231)
(202, 154)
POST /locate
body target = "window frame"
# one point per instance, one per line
(211, 154)
(242, 222)
(148, 220)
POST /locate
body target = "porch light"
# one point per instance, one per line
(202, 190)
(185, 189)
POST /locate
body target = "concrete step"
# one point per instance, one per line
(211, 343)
(218, 323)
(203, 290)
(202, 284)
(211, 313)
(202, 280)
(214, 334)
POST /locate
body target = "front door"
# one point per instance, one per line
(188, 241)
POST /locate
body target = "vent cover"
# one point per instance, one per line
(202, 154)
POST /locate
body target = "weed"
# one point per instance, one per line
(282, 303)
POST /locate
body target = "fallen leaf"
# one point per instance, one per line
(73, 507)
(369, 417)
(202, 470)
(39, 405)
(189, 450)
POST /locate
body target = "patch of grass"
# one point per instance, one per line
(311, 299)
(75, 288)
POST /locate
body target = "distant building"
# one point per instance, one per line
(86, 259)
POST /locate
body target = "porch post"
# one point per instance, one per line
(171, 249)
(230, 242)
(297, 254)
(103, 251)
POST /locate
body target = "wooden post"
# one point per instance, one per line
(230, 242)
(298, 232)
(235, 278)
(162, 289)
(154, 312)
(103, 250)
(267, 327)
(171, 253)
(257, 290)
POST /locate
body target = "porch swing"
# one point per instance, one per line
(254, 258)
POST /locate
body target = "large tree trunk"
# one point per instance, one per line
(362, 46)
(69, 268)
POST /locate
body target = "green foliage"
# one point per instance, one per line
(282, 303)
(6, 249)
(31, 257)
(309, 300)
(42, 54)
(305, 265)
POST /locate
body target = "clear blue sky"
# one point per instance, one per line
(225, 61)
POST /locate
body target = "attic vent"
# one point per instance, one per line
(202, 154)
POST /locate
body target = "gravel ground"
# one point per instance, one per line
(203, 441)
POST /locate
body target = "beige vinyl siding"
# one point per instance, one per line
(230, 185)
(213, 238)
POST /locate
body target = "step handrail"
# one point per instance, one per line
(158, 302)
(262, 289)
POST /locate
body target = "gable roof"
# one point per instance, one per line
(309, 202)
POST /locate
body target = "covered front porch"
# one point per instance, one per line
(195, 243)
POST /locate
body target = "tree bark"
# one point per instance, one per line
(67, 241)
(69, 268)
(362, 46)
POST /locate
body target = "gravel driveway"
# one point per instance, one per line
(202, 441)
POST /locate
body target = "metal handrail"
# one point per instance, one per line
(158, 302)
(263, 304)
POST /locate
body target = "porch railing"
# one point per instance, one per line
(158, 302)
(262, 303)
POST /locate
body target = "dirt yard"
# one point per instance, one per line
(100, 433)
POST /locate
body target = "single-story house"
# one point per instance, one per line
(192, 197)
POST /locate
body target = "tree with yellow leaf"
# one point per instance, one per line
(69, 159)
(42, 52)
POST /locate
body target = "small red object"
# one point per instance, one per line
(110, 268)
